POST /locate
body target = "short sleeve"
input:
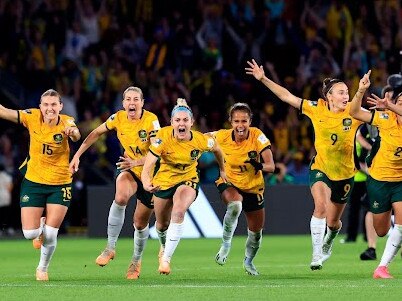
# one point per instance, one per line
(111, 122)
(262, 141)
(154, 128)
(380, 119)
(25, 116)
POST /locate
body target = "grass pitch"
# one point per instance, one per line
(283, 262)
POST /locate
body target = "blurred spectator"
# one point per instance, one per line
(76, 42)
(6, 187)
(298, 170)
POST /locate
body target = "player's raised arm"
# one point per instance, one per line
(8, 114)
(356, 110)
(282, 93)
(89, 140)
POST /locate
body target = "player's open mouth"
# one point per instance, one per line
(132, 109)
(182, 131)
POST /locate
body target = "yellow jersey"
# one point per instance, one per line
(387, 163)
(178, 159)
(134, 135)
(240, 174)
(334, 139)
(49, 152)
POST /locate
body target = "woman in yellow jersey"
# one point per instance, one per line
(175, 183)
(384, 183)
(47, 181)
(243, 147)
(135, 128)
(333, 168)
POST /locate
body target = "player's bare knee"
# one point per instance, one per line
(140, 225)
(121, 199)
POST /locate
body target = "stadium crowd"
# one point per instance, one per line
(91, 51)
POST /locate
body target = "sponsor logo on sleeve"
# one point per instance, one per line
(384, 115)
(262, 138)
(157, 142)
(210, 143)
(71, 122)
(156, 125)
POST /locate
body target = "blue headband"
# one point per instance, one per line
(182, 109)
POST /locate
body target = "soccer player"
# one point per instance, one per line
(175, 184)
(333, 168)
(47, 180)
(243, 147)
(135, 128)
(384, 183)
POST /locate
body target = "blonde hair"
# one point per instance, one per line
(181, 105)
(135, 89)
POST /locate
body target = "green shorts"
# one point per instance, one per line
(38, 195)
(168, 193)
(340, 190)
(251, 201)
(382, 194)
(142, 195)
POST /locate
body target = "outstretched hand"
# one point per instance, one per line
(255, 70)
(377, 102)
(125, 163)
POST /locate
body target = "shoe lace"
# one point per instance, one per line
(133, 267)
(106, 253)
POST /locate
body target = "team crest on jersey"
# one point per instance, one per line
(376, 204)
(25, 199)
(194, 154)
(347, 124)
(143, 135)
(28, 111)
(58, 138)
(252, 155)
(384, 116)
